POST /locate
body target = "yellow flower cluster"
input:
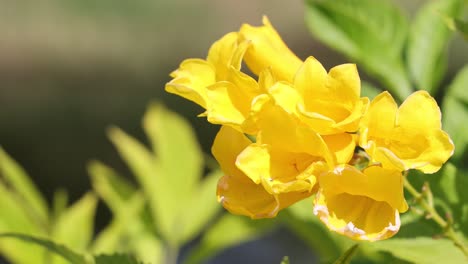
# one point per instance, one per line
(296, 130)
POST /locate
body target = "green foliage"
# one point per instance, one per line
(346, 257)
(174, 204)
(372, 33)
(230, 230)
(422, 250)
(60, 250)
(285, 260)
(455, 115)
(427, 43)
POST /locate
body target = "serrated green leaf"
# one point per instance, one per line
(201, 209)
(228, 231)
(372, 33)
(115, 259)
(64, 252)
(128, 233)
(28, 196)
(111, 187)
(455, 115)
(347, 256)
(15, 219)
(75, 227)
(427, 43)
(176, 146)
(147, 170)
(422, 250)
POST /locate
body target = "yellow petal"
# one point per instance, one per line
(284, 131)
(419, 112)
(226, 104)
(285, 96)
(246, 198)
(310, 79)
(278, 171)
(267, 49)
(362, 205)
(406, 138)
(357, 217)
(221, 53)
(341, 145)
(237, 192)
(226, 147)
(191, 79)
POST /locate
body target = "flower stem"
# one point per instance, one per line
(449, 232)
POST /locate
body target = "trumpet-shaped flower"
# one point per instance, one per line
(361, 205)
(217, 84)
(409, 137)
(237, 192)
(330, 102)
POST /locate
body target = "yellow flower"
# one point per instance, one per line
(287, 156)
(361, 205)
(267, 50)
(340, 143)
(330, 102)
(409, 137)
(237, 192)
(217, 84)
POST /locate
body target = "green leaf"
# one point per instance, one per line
(75, 227)
(15, 219)
(66, 253)
(115, 259)
(175, 144)
(346, 257)
(111, 187)
(201, 209)
(455, 115)
(17, 179)
(127, 232)
(228, 231)
(372, 33)
(427, 43)
(285, 260)
(422, 250)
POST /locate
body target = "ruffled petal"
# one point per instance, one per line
(267, 49)
(362, 205)
(191, 79)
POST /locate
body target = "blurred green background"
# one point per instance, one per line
(71, 68)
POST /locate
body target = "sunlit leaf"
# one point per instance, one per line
(128, 233)
(455, 115)
(427, 43)
(75, 227)
(15, 219)
(372, 33)
(422, 250)
(111, 187)
(202, 207)
(28, 196)
(64, 252)
(176, 147)
(228, 231)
